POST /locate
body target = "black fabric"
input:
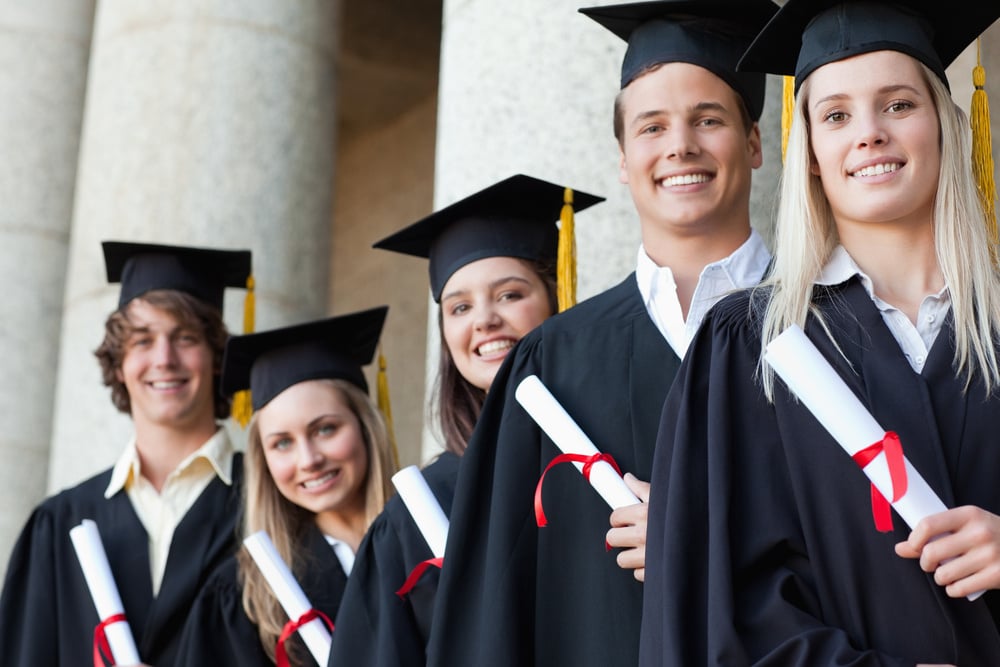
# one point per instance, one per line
(761, 547)
(514, 594)
(47, 616)
(218, 632)
(375, 626)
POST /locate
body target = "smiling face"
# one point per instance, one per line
(167, 370)
(874, 136)
(315, 450)
(486, 307)
(686, 153)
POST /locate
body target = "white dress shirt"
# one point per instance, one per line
(742, 269)
(914, 340)
(343, 552)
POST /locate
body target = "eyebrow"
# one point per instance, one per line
(493, 285)
(881, 91)
(697, 108)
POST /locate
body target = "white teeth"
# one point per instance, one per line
(316, 482)
(877, 169)
(166, 385)
(495, 346)
(686, 179)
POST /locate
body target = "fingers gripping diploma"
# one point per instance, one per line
(960, 546)
(628, 530)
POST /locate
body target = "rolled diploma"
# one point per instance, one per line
(295, 603)
(97, 572)
(539, 402)
(811, 377)
(423, 507)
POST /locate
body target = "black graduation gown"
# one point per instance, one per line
(47, 616)
(375, 626)
(761, 547)
(512, 593)
(218, 632)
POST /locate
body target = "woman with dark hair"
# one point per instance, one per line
(317, 469)
(492, 259)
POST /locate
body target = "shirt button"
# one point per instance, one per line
(920, 360)
(930, 319)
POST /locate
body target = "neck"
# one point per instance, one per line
(162, 448)
(687, 254)
(901, 261)
(348, 527)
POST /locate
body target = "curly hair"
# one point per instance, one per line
(186, 309)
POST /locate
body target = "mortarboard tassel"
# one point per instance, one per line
(982, 150)
(382, 393)
(566, 263)
(242, 407)
(787, 109)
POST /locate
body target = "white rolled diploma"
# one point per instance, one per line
(97, 572)
(423, 507)
(552, 418)
(293, 600)
(811, 377)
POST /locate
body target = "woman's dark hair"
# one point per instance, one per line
(457, 401)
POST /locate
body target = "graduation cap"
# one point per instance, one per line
(201, 272)
(513, 218)
(709, 33)
(806, 34)
(268, 362)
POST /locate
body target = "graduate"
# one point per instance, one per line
(762, 548)
(166, 510)
(514, 594)
(492, 264)
(318, 468)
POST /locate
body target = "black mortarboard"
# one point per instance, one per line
(201, 272)
(513, 218)
(709, 33)
(806, 34)
(268, 362)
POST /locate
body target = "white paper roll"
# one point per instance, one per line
(108, 602)
(293, 600)
(539, 402)
(423, 507)
(811, 377)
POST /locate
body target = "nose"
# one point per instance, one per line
(309, 456)
(871, 131)
(680, 142)
(165, 355)
(487, 318)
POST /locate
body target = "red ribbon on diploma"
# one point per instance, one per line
(893, 448)
(280, 656)
(587, 461)
(416, 573)
(101, 645)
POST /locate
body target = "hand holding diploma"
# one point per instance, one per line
(628, 531)
(113, 635)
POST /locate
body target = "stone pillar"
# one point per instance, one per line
(44, 46)
(528, 87)
(207, 123)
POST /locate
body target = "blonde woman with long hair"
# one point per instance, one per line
(761, 544)
(318, 466)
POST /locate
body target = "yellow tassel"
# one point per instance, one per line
(566, 264)
(787, 109)
(383, 405)
(982, 150)
(242, 407)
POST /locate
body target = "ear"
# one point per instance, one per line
(754, 144)
(119, 376)
(622, 168)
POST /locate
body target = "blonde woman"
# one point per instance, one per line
(762, 549)
(317, 473)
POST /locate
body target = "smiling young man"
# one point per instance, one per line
(514, 594)
(166, 511)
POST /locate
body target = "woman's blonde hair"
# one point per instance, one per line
(286, 523)
(806, 235)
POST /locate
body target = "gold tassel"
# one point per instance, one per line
(982, 150)
(242, 407)
(382, 393)
(787, 109)
(566, 264)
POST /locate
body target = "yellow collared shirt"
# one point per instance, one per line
(161, 512)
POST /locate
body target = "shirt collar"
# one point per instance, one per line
(217, 450)
(841, 267)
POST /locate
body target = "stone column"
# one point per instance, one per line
(528, 87)
(208, 122)
(44, 46)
